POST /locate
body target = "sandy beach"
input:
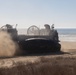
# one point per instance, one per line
(68, 46)
(49, 64)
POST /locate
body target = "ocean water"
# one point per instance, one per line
(67, 34)
(64, 34)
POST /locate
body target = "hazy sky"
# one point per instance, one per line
(38, 12)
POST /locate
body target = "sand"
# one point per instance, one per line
(52, 64)
(8, 47)
(68, 46)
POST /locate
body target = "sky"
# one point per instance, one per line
(25, 13)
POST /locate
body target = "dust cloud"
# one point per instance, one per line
(8, 47)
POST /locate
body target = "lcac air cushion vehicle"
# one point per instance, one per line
(36, 39)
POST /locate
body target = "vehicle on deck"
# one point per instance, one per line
(35, 41)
